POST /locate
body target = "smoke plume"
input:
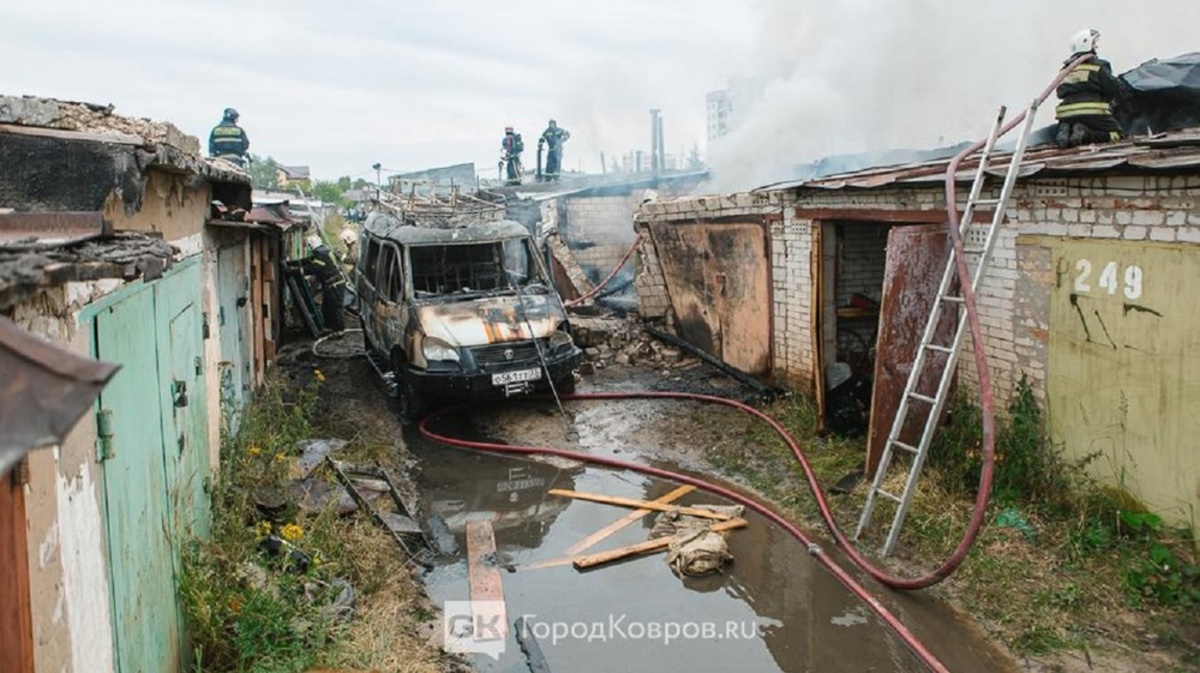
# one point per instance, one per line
(869, 75)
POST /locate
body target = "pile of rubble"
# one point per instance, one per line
(92, 118)
(609, 341)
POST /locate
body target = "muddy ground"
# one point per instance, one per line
(810, 620)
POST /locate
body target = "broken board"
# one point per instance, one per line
(639, 504)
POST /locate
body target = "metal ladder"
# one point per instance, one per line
(946, 301)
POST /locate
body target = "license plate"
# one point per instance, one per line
(518, 376)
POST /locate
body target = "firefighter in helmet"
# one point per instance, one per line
(1085, 113)
(510, 156)
(228, 140)
(553, 137)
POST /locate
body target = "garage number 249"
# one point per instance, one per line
(1110, 278)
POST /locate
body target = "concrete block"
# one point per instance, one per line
(1149, 218)
(1163, 234)
(1134, 233)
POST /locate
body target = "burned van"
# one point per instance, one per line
(461, 313)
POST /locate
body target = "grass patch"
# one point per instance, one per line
(1062, 561)
(262, 595)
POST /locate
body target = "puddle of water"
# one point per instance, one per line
(774, 609)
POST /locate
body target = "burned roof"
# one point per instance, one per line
(147, 143)
(389, 226)
(25, 268)
(1178, 152)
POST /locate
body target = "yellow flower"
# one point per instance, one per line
(280, 457)
(263, 528)
(291, 532)
(254, 450)
(320, 377)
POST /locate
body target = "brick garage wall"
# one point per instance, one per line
(1014, 297)
(599, 230)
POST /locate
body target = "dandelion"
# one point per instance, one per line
(254, 450)
(291, 532)
(319, 376)
(280, 457)
(263, 529)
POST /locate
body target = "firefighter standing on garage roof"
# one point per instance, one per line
(320, 263)
(1085, 114)
(553, 137)
(510, 156)
(228, 140)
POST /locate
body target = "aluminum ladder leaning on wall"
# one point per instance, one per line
(929, 352)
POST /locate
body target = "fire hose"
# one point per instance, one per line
(987, 404)
(620, 265)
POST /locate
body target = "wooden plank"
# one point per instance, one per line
(634, 516)
(640, 504)
(16, 622)
(657, 544)
(487, 590)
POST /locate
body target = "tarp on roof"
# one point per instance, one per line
(1161, 95)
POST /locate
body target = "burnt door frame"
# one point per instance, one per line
(819, 218)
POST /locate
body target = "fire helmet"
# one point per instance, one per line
(314, 241)
(231, 114)
(1085, 41)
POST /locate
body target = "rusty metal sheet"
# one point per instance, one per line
(51, 229)
(718, 279)
(43, 391)
(916, 258)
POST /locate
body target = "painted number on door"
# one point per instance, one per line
(1110, 280)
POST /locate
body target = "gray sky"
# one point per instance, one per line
(418, 83)
(411, 84)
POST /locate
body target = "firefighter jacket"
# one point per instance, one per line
(554, 137)
(228, 139)
(322, 265)
(1088, 91)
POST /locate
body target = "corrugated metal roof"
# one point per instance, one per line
(1165, 152)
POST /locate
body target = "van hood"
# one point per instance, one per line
(492, 319)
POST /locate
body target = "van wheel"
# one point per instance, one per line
(565, 385)
(412, 406)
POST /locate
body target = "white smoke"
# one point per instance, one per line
(852, 76)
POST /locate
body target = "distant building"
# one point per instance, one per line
(458, 175)
(288, 176)
(728, 107)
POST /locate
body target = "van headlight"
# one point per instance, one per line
(435, 349)
(560, 339)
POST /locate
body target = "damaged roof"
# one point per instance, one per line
(24, 269)
(1177, 152)
(159, 144)
(388, 226)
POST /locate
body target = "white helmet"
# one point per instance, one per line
(1085, 41)
(314, 241)
(348, 236)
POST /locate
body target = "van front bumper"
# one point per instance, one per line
(483, 384)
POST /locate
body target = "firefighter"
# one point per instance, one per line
(1085, 114)
(553, 137)
(510, 156)
(228, 140)
(320, 263)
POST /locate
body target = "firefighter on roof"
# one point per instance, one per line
(1085, 114)
(553, 137)
(510, 156)
(228, 140)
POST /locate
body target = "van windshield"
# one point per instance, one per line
(474, 268)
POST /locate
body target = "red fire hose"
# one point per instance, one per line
(987, 405)
(620, 265)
